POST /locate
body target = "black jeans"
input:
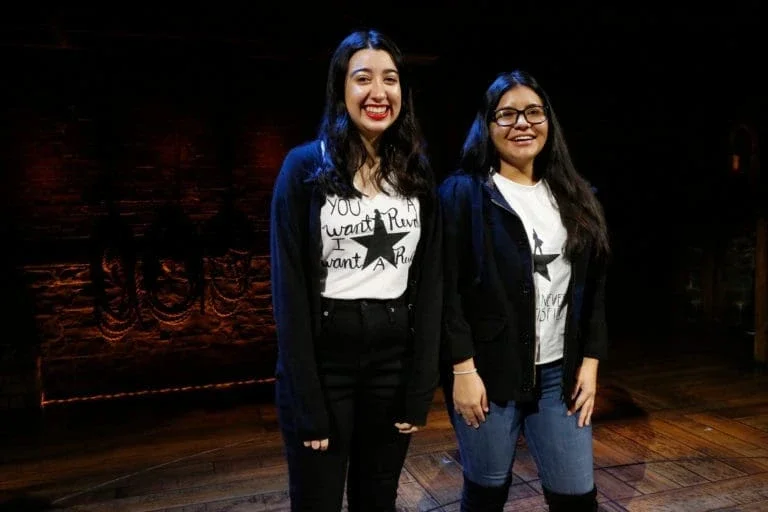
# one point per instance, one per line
(363, 362)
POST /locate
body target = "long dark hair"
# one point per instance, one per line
(404, 163)
(581, 213)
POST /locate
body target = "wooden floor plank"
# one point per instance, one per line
(726, 494)
(748, 465)
(668, 448)
(759, 421)
(524, 466)
(439, 474)
(267, 483)
(742, 411)
(610, 507)
(643, 477)
(747, 490)
(676, 473)
(254, 503)
(632, 450)
(522, 491)
(684, 500)
(733, 428)
(613, 487)
(758, 506)
(718, 437)
(606, 456)
(412, 496)
(693, 440)
(712, 469)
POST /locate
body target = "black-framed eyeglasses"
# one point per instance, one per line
(508, 116)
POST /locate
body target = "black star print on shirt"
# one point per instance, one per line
(540, 261)
(380, 243)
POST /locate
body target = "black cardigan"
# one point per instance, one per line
(490, 296)
(295, 245)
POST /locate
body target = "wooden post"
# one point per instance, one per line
(759, 189)
(761, 289)
(761, 256)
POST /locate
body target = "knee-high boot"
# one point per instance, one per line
(570, 502)
(478, 498)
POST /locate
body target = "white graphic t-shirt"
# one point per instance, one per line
(368, 245)
(538, 210)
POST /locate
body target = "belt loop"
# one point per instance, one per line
(327, 307)
(390, 306)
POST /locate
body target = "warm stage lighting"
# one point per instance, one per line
(148, 392)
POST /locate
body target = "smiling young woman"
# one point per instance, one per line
(356, 285)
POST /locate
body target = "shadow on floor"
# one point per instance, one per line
(615, 403)
(25, 504)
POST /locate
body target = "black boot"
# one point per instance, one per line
(477, 498)
(570, 502)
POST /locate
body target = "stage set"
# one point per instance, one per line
(138, 355)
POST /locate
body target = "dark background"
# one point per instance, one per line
(134, 108)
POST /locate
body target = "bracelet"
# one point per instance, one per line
(465, 372)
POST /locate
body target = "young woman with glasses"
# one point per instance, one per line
(526, 246)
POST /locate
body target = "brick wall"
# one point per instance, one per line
(127, 160)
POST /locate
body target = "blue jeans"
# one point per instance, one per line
(562, 451)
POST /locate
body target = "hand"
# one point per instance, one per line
(585, 391)
(317, 444)
(406, 428)
(469, 398)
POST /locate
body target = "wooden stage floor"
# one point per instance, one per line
(681, 425)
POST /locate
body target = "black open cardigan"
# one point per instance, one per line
(295, 245)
